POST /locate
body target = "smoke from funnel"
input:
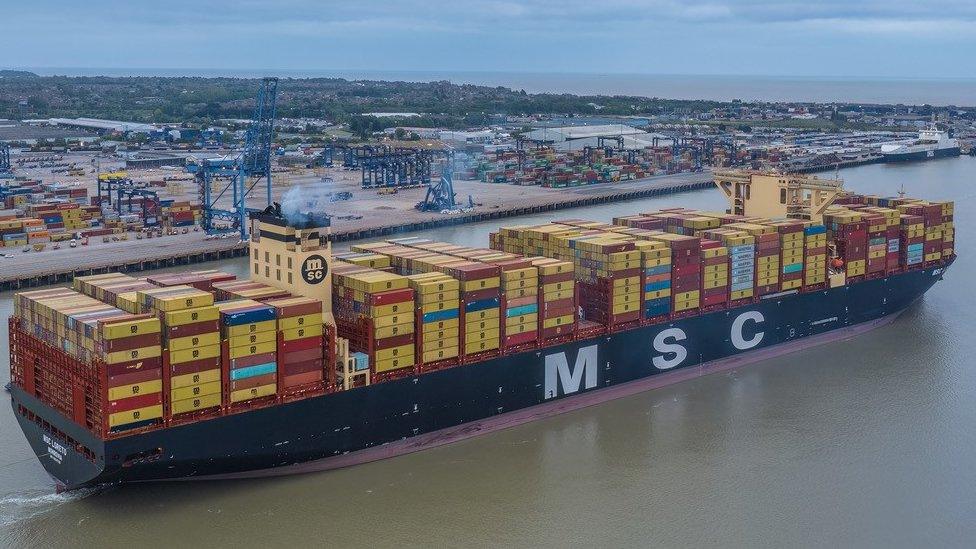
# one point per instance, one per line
(301, 202)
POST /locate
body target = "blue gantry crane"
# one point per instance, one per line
(242, 173)
(4, 157)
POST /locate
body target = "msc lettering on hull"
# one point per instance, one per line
(558, 373)
(673, 353)
(669, 352)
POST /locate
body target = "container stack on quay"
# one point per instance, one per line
(548, 168)
(179, 213)
(34, 213)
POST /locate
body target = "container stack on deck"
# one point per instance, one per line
(248, 349)
(814, 257)
(247, 289)
(116, 289)
(438, 304)
(201, 280)
(299, 341)
(375, 311)
(715, 291)
(656, 263)
(791, 244)
(848, 230)
(127, 391)
(191, 346)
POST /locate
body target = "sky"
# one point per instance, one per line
(848, 38)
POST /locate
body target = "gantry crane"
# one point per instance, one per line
(242, 173)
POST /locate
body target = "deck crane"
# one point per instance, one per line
(242, 173)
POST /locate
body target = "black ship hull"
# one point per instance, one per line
(922, 155)
(405, 415)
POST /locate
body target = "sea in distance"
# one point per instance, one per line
(909, 91)
(863, 442)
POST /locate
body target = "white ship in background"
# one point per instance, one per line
(931, 143)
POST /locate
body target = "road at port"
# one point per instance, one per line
(864, 442)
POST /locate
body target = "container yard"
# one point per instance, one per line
(126, 365)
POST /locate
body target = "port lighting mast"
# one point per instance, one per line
(242, 173)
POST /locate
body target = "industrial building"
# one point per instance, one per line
(103, 126)
(575, 138)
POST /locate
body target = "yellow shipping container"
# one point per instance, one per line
(447, 304)
(393, 320)
(687, 296)
(252, 339)
(441, 324)
(480, 284)
(521, 328)
(521, 319)
(132, 416)
(189, 316)
(484, 314)
(132, 354)
(253, 328)
(480, 346)
(300, 321)
(481, 335)
(254, 392)
(791, 284)
(657, 294)
(144, 388)
(300, 333)
(440, 354)
(741, 294)
(446, 334)
(193, 391)
(394, 363)
(395, 352)
(189, 342)
(130, 328)
(627, 307)
(187, 380)
(200, 353)
(255, 349)
(564, 320)
(390, 331)
(197, 403)
(685, 305)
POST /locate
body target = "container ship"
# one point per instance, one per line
(320, 360)
(931, 143)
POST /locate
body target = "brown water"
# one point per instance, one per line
(866, 442)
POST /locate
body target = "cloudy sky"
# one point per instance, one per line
(897, 38)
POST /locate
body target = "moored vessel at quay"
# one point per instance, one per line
(323, 360)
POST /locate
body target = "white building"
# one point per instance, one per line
(480, 137)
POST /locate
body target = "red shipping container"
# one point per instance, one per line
(385, 343)
(518, 339)
(300, 367)
(252, 360)
(478, 295)
(195, 366)
(133, 366)
(135, 377)
(134, 402)
(684, 270)
(301, 356)
(252, 382)
(131, 342)
(300, 379)
(391, 296)
(196, 328)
